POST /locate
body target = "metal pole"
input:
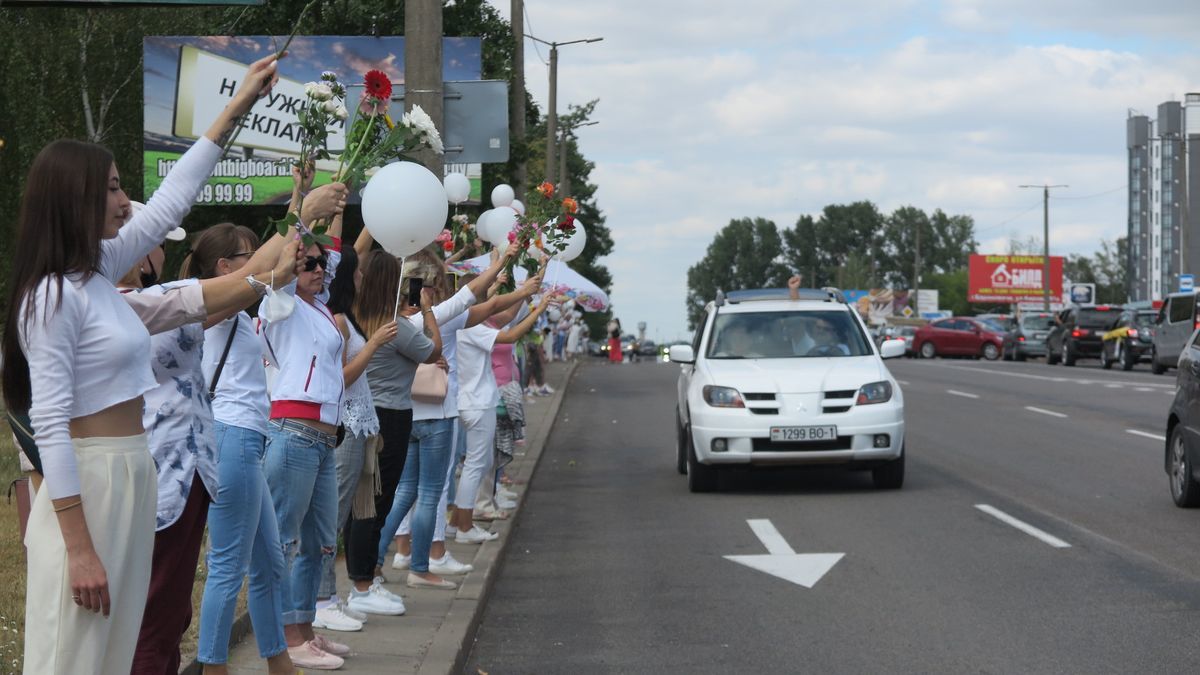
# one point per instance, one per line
(1046, 248)
(917, 273)
(552, 112)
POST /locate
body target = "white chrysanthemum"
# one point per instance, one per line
(341, 113)
(434, 141)
(322, 92)
(310, 89)
(421, 121)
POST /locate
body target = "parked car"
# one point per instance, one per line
(1028, 337)
(1130, 341)
(1005, 322)
(787, 382)
(1078, 333)
(647, 348)
(905, 333)
(959, 336)
(1182, 456)
(1175, 323)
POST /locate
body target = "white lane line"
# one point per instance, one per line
(1044, 411)
(770, 537)
(1143, 389)
(1023, 526)
(1044, 378)
(954, 392)
(1113, 386)
(1146, 434)
(903, 382)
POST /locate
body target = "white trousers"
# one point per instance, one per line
(480, 426)
(120, 496)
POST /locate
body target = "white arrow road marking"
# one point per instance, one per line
(1044, 411)
(955, 392)
(1023, 526)
(804, 569)
(1146, 434)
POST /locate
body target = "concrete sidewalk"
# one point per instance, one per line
(435, 634)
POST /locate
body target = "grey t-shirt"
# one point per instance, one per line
(391, 370)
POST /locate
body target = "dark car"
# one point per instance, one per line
(647, 348)
(1028, 337)
(1130, 341)
(1178, 318)
(1182, 457)
(959, 336)
(1079, 333)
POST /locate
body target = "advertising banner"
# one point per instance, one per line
(187, 81)
(1012, 278)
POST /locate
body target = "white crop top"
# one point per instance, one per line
(92, 352)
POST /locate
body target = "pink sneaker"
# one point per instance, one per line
(326, 645)
(309, 655)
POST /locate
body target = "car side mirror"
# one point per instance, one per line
(681, 354)
(892, 349)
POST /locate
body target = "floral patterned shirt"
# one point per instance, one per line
(178, 416)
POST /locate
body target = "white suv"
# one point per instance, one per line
(774, 381)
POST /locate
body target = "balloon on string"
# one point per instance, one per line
(481, 225)
(405, 230)
(503, 195)
(518, 206)
(458, 188)
(574, 245)
(500, 223)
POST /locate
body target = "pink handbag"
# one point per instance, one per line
(430, 384)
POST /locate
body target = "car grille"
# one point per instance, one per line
(765, 445)
(764, 411)
(760, 398)
(838, 401)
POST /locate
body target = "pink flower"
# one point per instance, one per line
(512, 237)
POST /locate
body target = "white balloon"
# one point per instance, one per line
(500, 223)
(502, 195)
(518, 206)
(481, 225)
(405, 208)
(574, 245)
(458, 188)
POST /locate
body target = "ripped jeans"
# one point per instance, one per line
(302, 476)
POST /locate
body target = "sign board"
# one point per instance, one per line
(1012, 278)
(1187, 282)
(1082, 294)
(187, 81)
(928, 300)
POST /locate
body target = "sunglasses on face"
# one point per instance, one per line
(313, 261)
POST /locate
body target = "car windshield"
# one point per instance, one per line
(776, 335)
(1097, 318)
(994, 325)
(1145, 319)
(1041, 322)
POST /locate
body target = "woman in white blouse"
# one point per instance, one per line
(75, 357)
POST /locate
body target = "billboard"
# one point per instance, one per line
(1012, 278)
(188, 80)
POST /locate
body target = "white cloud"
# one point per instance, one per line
(712, 111)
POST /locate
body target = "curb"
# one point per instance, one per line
(454, 639)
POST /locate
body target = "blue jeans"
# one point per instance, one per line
(302, 477)
(350, 456)
(420, 484)
(460, 451)
(242, 536)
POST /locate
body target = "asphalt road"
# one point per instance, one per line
(615, 567)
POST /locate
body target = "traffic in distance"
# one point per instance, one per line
(772, 379)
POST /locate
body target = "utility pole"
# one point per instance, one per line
(423, 69)
(552, 110)
(917, 273)
(516, 93)
(1045, 240)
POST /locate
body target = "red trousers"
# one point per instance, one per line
(172, 575)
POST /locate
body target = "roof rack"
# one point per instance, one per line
(828, 294)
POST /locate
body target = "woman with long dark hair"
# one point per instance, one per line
(75, 357)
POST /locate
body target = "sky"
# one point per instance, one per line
(711, 111)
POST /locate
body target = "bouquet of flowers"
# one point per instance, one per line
(375, 139)
(544, 229)
(322, 107)
(463, 234)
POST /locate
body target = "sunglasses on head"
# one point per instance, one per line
(311, 262)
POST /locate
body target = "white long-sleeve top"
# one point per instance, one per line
(87, 350)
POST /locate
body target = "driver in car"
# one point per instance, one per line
(829, 341)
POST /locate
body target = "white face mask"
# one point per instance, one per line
(278, 306)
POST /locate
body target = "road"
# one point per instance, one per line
(615, 567)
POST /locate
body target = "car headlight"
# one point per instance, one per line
(876, 392)
(723, 397)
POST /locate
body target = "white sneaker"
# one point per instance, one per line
(547, 389)
(333, 618)
(476, 535)
(451, 531)
(448, 566)
(401, 561)
(378, 583)
(506, 493)
(506, 504)
(374, 601)
(352, 613)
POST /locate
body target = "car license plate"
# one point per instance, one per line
(785, 434)
(1039, 336)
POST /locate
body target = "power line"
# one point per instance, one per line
(529, 31)
(1006, 222)
(1098, 194)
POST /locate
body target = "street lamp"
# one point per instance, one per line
(552, 114)
(563, 183)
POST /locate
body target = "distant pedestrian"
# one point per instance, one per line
(614, 341)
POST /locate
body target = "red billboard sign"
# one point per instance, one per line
(1012, 278)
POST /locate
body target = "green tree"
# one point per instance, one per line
(746, 253)
(898, 257)
(819, 248)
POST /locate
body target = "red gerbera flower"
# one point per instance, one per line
(378, 85)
